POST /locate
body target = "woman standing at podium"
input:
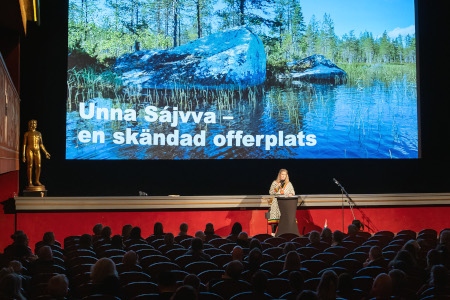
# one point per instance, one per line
(280, 186)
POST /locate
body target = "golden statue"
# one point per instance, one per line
(32, 145)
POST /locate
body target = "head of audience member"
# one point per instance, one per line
(288, 247)
(326, 235)
(307, 295)
(296, 282)
(158, 229)
(200, 234)
(413, 247)
(314, 237)
(45, 253)
(167, 282)
(352, 229)
(255, 243)
(20, 238)
(236, 228)
(58, 286)
(242, 239)
(16, 234)
(237, 253)
(183, 229)
(337, 237)
(136, 233)
(197, 244)
(399, 280)
(259, 282)
(169, 239)
(327, 287)
(439, 276)
(359, 225)
(209, 228)
(255, 259)
(192, 280)
(444, 238)
(126, 229)
(130, 258)
(49, 238)
(16, 266)
(102, 269)
(117, 242)
(403, 260)
(185, 292)
(97, 229)
(106, 233)
(292, 261)
(382, 287)
(11, 287)
(375, 252)
(85, 241)
(233, 270)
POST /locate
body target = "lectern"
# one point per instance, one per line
(288, 209)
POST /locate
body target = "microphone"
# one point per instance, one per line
(335, 181)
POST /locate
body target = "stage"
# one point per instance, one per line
(77, 215)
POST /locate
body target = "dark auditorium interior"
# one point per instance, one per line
(403, 203)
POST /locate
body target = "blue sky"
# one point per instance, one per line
(375, 16)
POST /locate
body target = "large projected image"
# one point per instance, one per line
(240, 79)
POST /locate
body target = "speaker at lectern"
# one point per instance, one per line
(288, 209)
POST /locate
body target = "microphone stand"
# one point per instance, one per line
(350, 202)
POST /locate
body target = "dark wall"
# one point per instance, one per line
(44, 96)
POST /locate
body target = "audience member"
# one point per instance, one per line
(196, 250)
(376, 258)
(201, 235)
(255, 243)
(292, 262)
(135, 237)
(381, 287)
(158, 233)
(337, 238)
(44, 262)
(105, 278)
(130, 263)
(326, 235)
(326, 289)
(315, 241)
(401, 289)
(296, 283)
(105, 237)
(210, 232)
(58, 287)
(85, 242)
(167, 284)
(117, 242)
(307, 295)
(11, 287)
(169, 243)
(194, 281)
(254, 261)
(126, 230)
(19, 249)
(184, 292)
(235, 230)
(183, 234)
(259, 286)
(243, 240)
(359, 225)
(288, 247)
(48, 239)
(97, 232)
(237, 253)
(438, 283)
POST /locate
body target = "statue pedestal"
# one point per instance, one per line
(35, 191)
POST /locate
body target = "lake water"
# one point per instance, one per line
(340, 121)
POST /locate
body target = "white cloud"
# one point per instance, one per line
(402, 31)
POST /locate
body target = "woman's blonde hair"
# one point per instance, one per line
(279, 176)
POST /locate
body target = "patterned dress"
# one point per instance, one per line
(287, 189)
